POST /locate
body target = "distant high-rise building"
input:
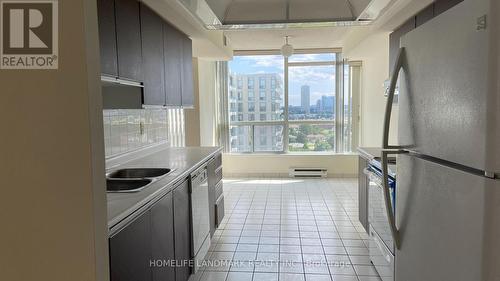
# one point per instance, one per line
(305, 99)
(327, 103)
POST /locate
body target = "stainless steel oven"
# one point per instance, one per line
(381, 243)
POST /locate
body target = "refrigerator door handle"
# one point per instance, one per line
(390, 99)
(387, 198)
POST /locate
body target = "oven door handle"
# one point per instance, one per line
(387, 199)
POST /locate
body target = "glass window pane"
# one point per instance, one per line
(312, 57)
(240, 139)
(311, 137)
(259, 78)
(268, 138)
(311, 93)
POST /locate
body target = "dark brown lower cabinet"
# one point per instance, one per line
(155, 244)
(162, 239)
(182, 231)
(130, 251)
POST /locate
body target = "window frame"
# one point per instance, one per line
(337, 122)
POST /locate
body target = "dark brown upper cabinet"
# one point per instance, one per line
(173, 64)
(128, 38)
(152, 57)
(187, 72)
(441, 6)
(137, 44)
(107, 37)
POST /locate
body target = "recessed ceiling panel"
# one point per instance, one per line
(255, 11)
(320, 10)
(259, 12)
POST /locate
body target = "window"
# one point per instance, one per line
(311, 137)
(316, 85)
(233, 107)
(262, 107)
(240, 96)
(262, 83)
(250, 83)
(240, 83)
(262, 95)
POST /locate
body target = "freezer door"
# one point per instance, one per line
(446, 108)
(448, 223)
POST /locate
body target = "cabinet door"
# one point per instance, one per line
(173, 64)
(162, 237)
(107, 37)
(130, 251)
(187, 72)
(441, 6)
(128, 35)
(182, 229)
(152, 57)
(219, 210)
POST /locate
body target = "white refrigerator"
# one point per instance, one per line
(446, 224)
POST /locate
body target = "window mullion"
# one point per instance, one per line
(285, 111)
(339, 108)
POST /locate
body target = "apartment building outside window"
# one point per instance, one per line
(302, 106)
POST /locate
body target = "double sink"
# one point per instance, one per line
(133, 179)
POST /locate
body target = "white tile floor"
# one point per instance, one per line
(289, 230)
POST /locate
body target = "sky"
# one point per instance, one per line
(321, 79)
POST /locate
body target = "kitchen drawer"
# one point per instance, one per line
(219, 210)
(218, 160)
(219, 190)
(218, 175)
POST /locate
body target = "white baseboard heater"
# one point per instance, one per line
(298, 172)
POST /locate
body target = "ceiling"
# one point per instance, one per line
(231, 12)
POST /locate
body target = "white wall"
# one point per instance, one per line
(206, 80)
(374, 53)
(278, 164)
(53, 200)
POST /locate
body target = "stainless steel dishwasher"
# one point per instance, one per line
(200, 216)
